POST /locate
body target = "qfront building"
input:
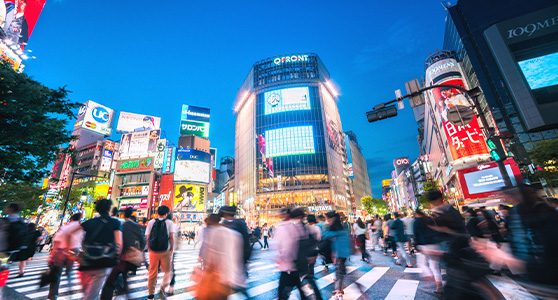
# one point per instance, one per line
(289, 144)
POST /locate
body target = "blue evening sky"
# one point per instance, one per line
(151, 57)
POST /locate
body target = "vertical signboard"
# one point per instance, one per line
(166, 190)
(194, 120)
(168, 160)
(160, 155)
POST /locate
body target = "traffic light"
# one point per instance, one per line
(496, 150)
(381, 113)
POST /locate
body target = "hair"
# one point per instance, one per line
(336, 225)
(420, 213)
(321, 217)
(376, 216)
(396, 215)
(212, 219)
(114, 211)
(311, 219)
(162, 210)
(472, 212)
(14, 207)
(434, 195)
(387, 217)
(297, 213)
(103, 206)
(76, 217)
(360, 223)
(128, 212)
(144, 219)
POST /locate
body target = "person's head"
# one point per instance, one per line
(265, 225)
(162, 211)
(396, 215)
(76, 217)
(103, 206)
(387, 217)
(13, 208)
(376, 217)
(212, 220)
(311, 219)
(360, 223)
(114, 212)
(334, 221)
(342, 216)
(128, 212)
(227, 212)
(469, 213)
(321, 218)
(284, 214)
(435, 198)
(144, 220)
(297, 214)
(419, 214)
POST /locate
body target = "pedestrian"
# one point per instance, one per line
(397, 228)
(160, 241)
(376, 230)
(65, 247)
(238, 225)
(16, 234)
(472, 223)
(101, 246)
(339, 236)
(29, 248)
(359, 229)
(428, 256)
(408, 222)
(43, 239)
(265, 232)
(133, 243)
(221, 254)
(388, 236)
(316, 235)
(255, 237)
(287, 236)
(174, 220)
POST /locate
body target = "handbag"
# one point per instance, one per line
(134, 256)
(96, 254)
(210, 285)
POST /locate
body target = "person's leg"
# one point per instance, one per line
(266, 245)
(167, 269)
(340, 273)
(56, 272)
(21, 265)
(295, 277)
(312, 282)
(362, 240)
(173, 280)
(154, 259)
(284, 290)
(98, 280)
(422, 263)
(403, 254)
(108, 288)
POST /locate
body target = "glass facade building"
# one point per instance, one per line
(289, 146)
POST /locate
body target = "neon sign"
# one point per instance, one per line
(290, 58)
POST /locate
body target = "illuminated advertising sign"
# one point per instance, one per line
(350, 170)
(195, 113)
(386, 182)
(135, 191)
(97, 118)
(464, 141)
(143, 143)
(400, 164)
(289, 141)
(135, 203)
(18, 19)
(289, 99)
(542, 71)
(291, 58)
(213, 153)
(189, 197)
(483, 180)
(168, 160)
(160, 155)
(192, 154)
(200, 129)
(129, 122)
(135, 165)
(166, 190)
(106, 160)
(192, 170)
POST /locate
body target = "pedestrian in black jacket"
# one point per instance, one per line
(428, 256)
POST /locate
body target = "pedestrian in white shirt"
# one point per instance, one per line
(160, 243)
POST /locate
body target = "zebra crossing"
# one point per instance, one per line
(385, 281)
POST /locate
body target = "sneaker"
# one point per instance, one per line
(170, 291)
(151, 297)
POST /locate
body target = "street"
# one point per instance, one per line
(383, 281)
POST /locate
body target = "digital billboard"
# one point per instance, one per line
(189, 197)
(288, 99)
(95, 117)
(195, 113)
(18, 19)
(143, 143)
(192, 165)
(200, 129)
(484, 180)
(541, 71)
(289, 141)
(130, 122)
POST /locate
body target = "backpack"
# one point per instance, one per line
(159, 236)
(307, 248)
(17, 235)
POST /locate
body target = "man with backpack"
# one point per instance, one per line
(160, 240)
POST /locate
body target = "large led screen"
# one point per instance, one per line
(297, 98)
(487, 180)
(289, 141)
(541, 71)
(191, 170)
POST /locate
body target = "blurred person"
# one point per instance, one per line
(426, 241)
(324, 246)
(389, 242)
(287, 236)
(533, 226)
(16, 228)
(133, 243)
(376, 231)
(160, 242)
(221, 254)
(314, 236)
(398, 229)
(321, 223)
(265, 232)
(238, 225)
(255, 237)
(65, 247)
(408, 220)
(359, 229)
(490, 226)
(102, 245)
(339, 236)
(43, 239)
(175, 247)
(29, 248)
(472, 223)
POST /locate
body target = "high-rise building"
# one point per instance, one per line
(357, 168)
(289, 147)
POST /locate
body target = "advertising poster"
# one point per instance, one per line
(400, 164)
(130, 122)
(195, 113)
(199, 129)
(18, 19)
(465, 140)
(289, 99)
(143, 143)
(191, 170)
(160, 155)
(169, 159)
(213, 153)
(189, 197)
(96, 117)
(166, 190)
(106, 160)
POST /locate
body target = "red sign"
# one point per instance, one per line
(166, 189)
(465, 140)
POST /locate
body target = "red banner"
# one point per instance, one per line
(166, 189)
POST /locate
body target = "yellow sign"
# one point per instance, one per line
(189, 197)
(386, 182)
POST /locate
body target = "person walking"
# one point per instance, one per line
(359, 229)
(132, 255)
(29, 249)
(408, 220)
(255, 236)
(316, 235)
(43, 239)
(238, 225)
(176, 225)
(397, 228)
(101, 245)
(376, 230)
(265, 232)
(426, 241)
(339, 236)
(65, 246)
(160, 241)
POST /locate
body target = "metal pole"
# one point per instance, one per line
(67, 199)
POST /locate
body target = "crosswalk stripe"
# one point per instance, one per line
(403, 289)
(413, 270)
(510, 289)
(356, 289)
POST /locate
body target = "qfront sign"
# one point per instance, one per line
(290, 58)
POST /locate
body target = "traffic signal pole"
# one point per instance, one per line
(472, 95)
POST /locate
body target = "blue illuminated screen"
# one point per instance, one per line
(488, 180)
(541, 71)
(289, 99)
(289, 141)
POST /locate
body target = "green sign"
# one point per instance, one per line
(196, 128)
(136, 164)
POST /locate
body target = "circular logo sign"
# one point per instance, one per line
(100, 114)
(274, 99)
